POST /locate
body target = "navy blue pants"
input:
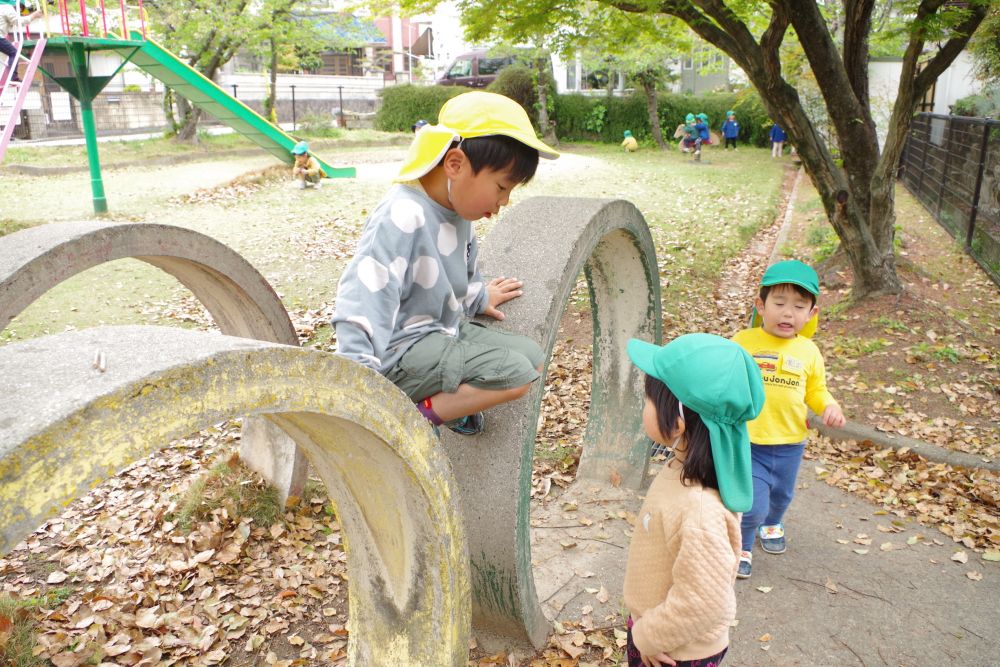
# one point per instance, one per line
(775, 468)
(10, 51)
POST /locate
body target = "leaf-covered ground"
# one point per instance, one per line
(135, 572)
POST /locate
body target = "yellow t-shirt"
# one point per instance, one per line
(794, 377)
(630, 144)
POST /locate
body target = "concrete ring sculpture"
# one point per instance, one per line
(547, 241)
(240, 300)
(66, 425)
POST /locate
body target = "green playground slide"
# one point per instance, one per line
(213, 100)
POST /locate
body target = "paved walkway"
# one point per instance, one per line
(822, 604)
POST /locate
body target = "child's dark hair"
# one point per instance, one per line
(699, 466)
(500, 152)
(799, 289)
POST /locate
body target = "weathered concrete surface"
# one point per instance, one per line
(547, 242)
(65, 426)
(240, 300)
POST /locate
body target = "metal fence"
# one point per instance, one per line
(952, 165)
(51, 113)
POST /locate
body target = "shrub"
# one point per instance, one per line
(518, 83)
(581, 117)
(404, 105)
(986, 104)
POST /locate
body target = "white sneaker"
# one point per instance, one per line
(319, 184)
(300, 184)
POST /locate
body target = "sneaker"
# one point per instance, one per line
(300, 184)
(772, 538)
(471, 425)
(319, 184)
(743, 572)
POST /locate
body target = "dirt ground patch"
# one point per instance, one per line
(922, 363)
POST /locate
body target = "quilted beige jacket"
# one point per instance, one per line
(681, 570)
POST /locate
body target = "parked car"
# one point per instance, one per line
(476, 69)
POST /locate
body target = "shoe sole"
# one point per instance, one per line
(770, 551)
(742, 576)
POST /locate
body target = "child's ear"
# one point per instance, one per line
(453, 162)
(814, 312)
(759, 304)
(679, 428)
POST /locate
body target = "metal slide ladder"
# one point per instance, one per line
(13, 94)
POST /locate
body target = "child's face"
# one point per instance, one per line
(475, 196)
(302, 160)
(785, 312)
(652, 425)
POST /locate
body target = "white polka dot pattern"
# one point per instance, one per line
(362, 322)
(447, 239)
(453, 303)
(372, 274)
(474, 290)
(397, 268)
(407, 215)
(425, 271)
(418, 321)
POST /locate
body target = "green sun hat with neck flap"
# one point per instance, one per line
(466, 116)
(716, 378)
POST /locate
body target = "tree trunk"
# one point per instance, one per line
(188, 131)
(548, 131)
(652, 108)
(272, 92)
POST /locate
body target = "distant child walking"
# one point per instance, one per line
(731, 129)
(700, 392)
(9, 23)
(794, 377)
(778, 138)
(405, 300)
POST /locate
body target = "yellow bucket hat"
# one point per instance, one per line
(469, 115)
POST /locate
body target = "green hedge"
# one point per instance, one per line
(586, 118)
(404, 105)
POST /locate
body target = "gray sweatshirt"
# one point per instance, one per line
(414, 272)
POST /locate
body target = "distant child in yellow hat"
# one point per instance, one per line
(794, 375)
(306, 170)
(404, 301)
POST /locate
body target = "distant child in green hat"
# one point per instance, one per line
(629, 143)
(731, 129)
(306, 169)
(794, 377)
(700, 392)
(692, 138)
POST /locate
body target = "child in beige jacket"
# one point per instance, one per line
(700, 392)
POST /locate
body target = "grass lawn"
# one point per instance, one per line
(700, 215)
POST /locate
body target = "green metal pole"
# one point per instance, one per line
(79, 62)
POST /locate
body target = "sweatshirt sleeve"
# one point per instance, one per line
(368, 298)
(817, 396)
(701, 598)
(476, 301)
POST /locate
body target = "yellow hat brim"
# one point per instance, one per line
(468, 116)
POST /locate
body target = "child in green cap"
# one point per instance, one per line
(700, 392)
(794, 377)
(405, 301)
(629, 143)
(692, 138)
(306, 170)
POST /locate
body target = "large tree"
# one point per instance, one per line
(858, 189)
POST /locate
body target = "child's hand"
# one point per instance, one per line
(501, 290)
(833, 416)
(657, 660)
